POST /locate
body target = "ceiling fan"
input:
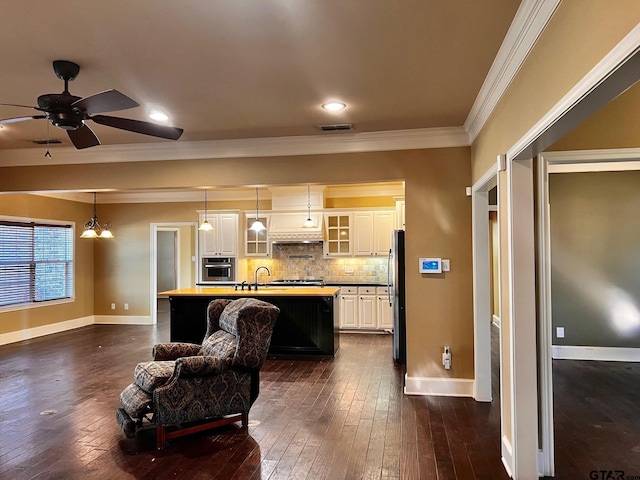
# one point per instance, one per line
(70, 113)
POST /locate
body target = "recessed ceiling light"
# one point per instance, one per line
(334, 106)
(158, 115)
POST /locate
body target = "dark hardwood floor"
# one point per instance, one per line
(597, 425)
(344, 418)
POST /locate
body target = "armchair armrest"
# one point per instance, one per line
(173, 351)
(199, 366)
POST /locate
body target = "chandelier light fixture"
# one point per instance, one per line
(257, 225)
(93, 229)
(205, 225)
(308, 223)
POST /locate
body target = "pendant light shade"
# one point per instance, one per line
(93, 229)
(257, 225)
(205, 226)
(308, 223)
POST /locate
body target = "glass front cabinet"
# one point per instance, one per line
(338, 234)
(256, 243)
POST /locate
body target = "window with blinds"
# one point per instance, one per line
(36, 262)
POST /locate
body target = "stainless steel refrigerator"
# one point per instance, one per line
(396, 274)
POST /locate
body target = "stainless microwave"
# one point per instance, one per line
(218, 269)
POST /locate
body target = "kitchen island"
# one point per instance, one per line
(307, 325)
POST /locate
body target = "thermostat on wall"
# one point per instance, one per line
(430, 265)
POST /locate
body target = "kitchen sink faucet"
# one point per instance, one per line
(257, 270)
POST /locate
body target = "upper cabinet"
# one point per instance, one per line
(372, 232)
(338, 234)
(256, 243)
(222, 241)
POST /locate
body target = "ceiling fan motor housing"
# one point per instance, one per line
(57, 108)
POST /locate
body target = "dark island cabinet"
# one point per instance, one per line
(306, 326)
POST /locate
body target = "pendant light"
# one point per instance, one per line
(205, 225)
(257, 225)
(93, 229)
(308, 223)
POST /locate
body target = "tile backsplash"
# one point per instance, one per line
(307, 261)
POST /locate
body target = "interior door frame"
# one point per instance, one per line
(153, 258)
(616, 72)
(176, 253)
(482, 284)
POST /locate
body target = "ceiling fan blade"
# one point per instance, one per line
(137, 126)
(107, 101)
(17, 105)
(83, 137)
(20, 119)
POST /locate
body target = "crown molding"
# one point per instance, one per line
(529, 22)
(250, 147)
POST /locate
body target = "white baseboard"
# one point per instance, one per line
(507, 456)
(608, 354)
(43, 330)
(28, 333)
(446, 387)
(122, 320)
(496, 321)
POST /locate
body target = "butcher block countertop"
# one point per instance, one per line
(262, 292)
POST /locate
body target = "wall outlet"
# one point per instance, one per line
(113, 306)
(446, 265)
(446, 357)
(126, 306)
(559, 332)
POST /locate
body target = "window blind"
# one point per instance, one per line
(36, 262)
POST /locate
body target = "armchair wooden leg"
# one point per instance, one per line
(245, 420)
(161, 437)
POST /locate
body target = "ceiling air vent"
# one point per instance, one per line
(51, 141)
(337, 127)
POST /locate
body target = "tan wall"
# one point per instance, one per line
(37, 207)
(438, 213)
(187, 276)
(578, 36)
(360, 202)
(617, 125)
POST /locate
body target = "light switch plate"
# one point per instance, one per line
(446, 265)
(560, 332)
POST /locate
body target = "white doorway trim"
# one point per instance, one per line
(617, 71)
(153, 258)
(577, 161)
(482, 285)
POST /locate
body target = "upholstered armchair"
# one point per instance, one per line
(189, 388)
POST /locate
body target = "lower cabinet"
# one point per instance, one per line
(385, 311)
(365, 308)
(349, 307)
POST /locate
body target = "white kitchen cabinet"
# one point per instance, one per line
(385, 311)
(222, 241)
(349, 307)
(256, 244)
(372, 232)
(338, 228)
(367, 308)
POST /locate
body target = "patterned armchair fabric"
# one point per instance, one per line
(193, 383)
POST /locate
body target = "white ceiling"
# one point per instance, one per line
(239, 69)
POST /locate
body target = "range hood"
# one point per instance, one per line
(286, 227)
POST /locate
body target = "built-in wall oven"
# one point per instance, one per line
(217, 269)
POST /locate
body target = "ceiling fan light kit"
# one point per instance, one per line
(70, 112)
